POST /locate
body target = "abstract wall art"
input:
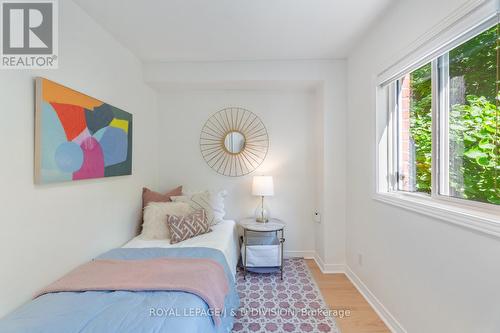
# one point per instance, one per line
(79, 137)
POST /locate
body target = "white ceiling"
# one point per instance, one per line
(295, 86)
(231, 30)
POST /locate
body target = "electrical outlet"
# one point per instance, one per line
(360, 259)
(317, 217)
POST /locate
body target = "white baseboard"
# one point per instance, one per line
(308, 254)
(379, 308)
(328, 268)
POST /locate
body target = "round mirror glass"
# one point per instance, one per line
(234, 142)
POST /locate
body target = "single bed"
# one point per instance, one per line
(139, 311)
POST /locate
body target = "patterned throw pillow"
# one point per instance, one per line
(185, 227)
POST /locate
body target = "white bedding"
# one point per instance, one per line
(224, 237)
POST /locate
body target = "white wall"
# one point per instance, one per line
(327, 117)
(290, 160)
(430, 275)
(48, 230)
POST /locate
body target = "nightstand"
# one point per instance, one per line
(262, 248)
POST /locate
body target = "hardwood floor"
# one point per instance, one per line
(340, 293)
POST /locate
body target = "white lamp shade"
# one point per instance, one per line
(263, 186)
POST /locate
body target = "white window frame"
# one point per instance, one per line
(476, 215)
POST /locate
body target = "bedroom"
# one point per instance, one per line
(313, 78)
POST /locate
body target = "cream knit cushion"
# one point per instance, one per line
(155, 217)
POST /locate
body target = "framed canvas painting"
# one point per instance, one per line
(79, 137)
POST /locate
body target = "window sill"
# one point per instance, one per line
(466, 217)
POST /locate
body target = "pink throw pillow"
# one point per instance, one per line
(152, 196)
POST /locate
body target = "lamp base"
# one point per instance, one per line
(261, 214)
(262, 220)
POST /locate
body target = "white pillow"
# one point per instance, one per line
(217, 203)
(155, 218)
(212, 203)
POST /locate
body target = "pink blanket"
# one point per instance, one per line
(202, 277)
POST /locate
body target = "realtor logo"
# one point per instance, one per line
(29, 34)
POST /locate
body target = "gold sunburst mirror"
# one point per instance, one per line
(234, 142)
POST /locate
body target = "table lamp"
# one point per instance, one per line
(263, 186)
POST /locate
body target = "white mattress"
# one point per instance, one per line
(224, 237)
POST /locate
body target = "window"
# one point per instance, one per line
(414, 131)
(472, 125)
(445, 136)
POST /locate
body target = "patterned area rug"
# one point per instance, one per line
(292, 305)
